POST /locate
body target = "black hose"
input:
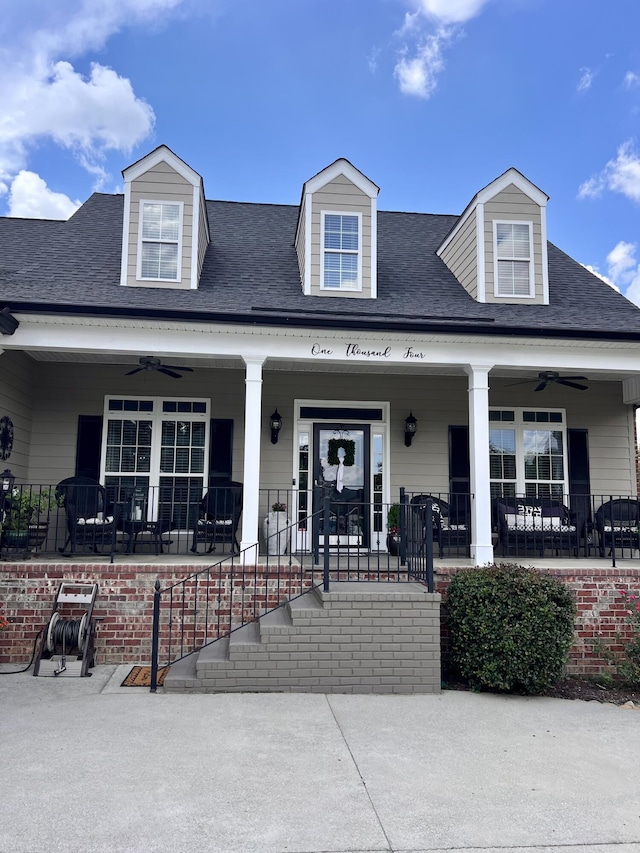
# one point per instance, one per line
(33, 654)
(66, 633)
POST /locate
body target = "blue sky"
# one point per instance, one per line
(431, 99)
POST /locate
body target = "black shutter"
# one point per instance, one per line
(459, 471)
(578, 453)
(88, 446)
(459, 474)
(221, 449)
(579, 481)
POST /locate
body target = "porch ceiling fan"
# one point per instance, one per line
(151, 362)
(547, 377)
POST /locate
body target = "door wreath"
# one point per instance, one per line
(349, 447)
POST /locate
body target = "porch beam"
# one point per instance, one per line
(252, 429)
(481, 542)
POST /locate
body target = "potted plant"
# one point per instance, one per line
(393, 530)
(26, 517)
(275, 528)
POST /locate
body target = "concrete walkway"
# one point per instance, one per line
(87, 765)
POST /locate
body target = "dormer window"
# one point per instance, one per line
(341, 241)
(513, 248)
(160, 241)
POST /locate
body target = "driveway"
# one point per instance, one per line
(90, 766)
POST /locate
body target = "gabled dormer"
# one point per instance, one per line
(165, 224)
(498, 248)
(336, 236)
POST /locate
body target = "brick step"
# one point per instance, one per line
(360, 638)
(275, 625)
(306, 608)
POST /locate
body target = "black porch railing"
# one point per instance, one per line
(209, 605)
(581, 526)
(74, 518)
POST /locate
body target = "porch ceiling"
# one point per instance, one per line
(295, 366)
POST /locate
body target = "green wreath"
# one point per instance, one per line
(349, 446)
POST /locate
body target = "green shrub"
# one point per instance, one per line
(511, 627)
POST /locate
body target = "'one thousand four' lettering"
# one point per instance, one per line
(355, 351)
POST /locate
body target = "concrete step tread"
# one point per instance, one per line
(248, 634)
(277, 617)
(216, 651)
(309, 603)
(181, 670)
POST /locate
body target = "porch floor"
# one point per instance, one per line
(201, 561)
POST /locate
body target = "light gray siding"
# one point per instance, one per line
(161, 183)
(342, 196)
(46, 418)
(203, 232)
(16, 402)
(599, 410)
(512, 205)
(301, 240)
(461, 256)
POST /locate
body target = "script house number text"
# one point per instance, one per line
(356, 351)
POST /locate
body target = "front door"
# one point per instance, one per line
(341, 472)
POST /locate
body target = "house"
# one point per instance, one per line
(160, 342)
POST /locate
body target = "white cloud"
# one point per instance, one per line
(586, 80)
(30, 197)
(44, 97)
(451, 11)
(621, 175)
(604, 278)
(417, 76)
(624, 269)
(631, 80)
(420, 63)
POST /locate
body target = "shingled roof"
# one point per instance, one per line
(251, 275)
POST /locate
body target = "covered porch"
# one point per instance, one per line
(265, 424)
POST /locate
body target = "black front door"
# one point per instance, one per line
(341, 471)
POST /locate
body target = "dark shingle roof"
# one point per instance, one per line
(251, 274)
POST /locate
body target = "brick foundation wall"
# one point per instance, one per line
(601, 615)
(125, 604)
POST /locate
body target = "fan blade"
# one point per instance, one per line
(542, 385)
(522, 382)
(189, 369)
(561, 378)
(564, 381)
(171, 373)
(137, 370)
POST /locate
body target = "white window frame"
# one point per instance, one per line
(520, 425)
(497, 258)
(156, 416)
(178, 242)
(358, 252)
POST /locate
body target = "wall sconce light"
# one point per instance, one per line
(410, 428)
(275, 423)
(7, 479)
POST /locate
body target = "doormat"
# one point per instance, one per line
(140, 676)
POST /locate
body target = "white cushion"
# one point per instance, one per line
(536, 522)
(97, 520)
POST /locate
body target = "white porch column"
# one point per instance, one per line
(481, 543)
(252, 429)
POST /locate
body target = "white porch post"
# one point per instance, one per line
(481, 543)
(252, 428)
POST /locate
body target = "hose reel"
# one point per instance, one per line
(68, 646)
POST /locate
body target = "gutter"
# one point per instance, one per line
(266, 317)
